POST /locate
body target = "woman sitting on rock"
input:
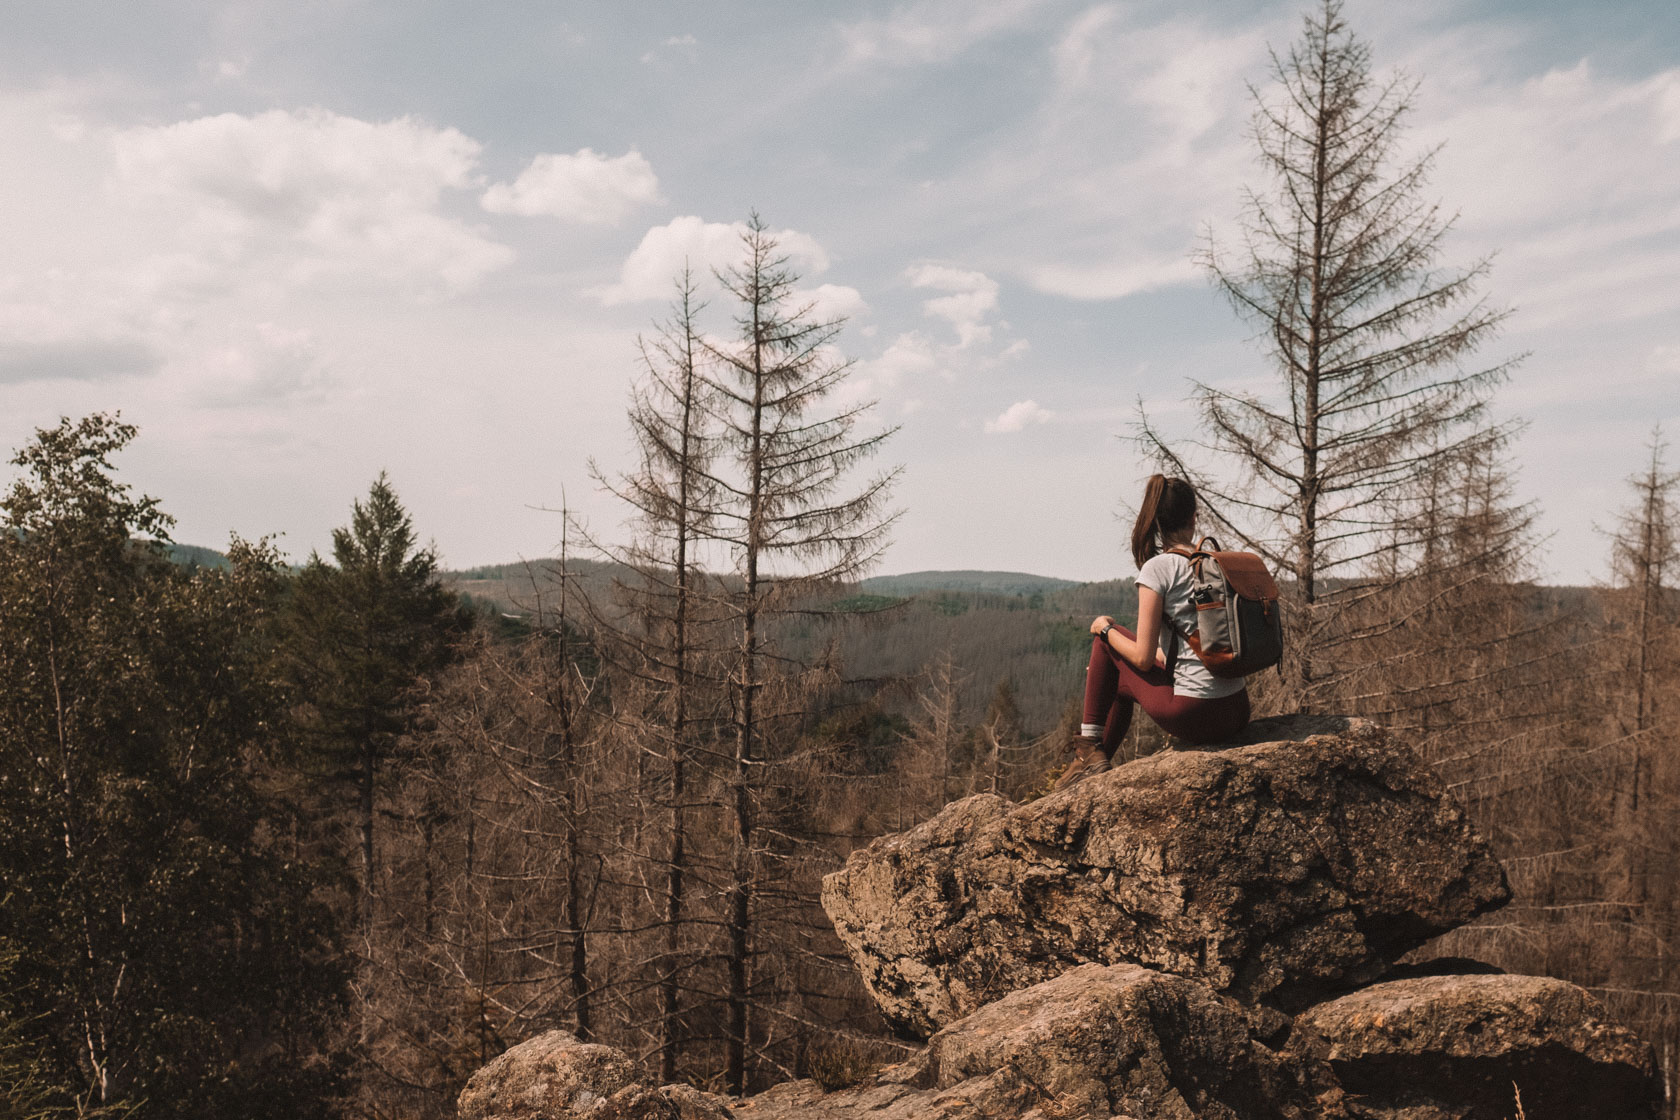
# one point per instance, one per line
(1128, 668)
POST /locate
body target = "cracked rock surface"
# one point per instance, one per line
(556, 1077)
(1446, 1047)
(1279, 871)
(1097, 1041)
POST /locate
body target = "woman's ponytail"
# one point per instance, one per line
(1169, 504)
(1144, 541)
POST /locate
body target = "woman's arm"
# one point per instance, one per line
(1143, 652)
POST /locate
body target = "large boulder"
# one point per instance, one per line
(556, 1077)
(1097, 1041)
(1463, 1047)
(1303, 861)
(1122, 1039)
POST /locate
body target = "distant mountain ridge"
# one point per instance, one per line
(197, 556)
(997, 583)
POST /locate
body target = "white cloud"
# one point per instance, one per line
(969, 305)
(1017, 416)
(64, 325)
(74, 359)
(909, 356)
(1177, 74)
(932, 30)
(1569, 177)
(973, 297)
(263, 363)
(585, 187)
(1114, 280)
(687, 44)
(648, 271)
(324, 194)
(1137, 144)
(832, 301)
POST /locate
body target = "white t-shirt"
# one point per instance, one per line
(1168, 575)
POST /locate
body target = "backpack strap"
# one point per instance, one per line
(1178, 636)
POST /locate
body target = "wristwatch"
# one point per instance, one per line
(1103, 634)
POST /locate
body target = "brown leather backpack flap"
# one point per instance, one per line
(1247, 575)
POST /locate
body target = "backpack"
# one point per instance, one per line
(1239, 625)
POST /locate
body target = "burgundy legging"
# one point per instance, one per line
(1112, 686)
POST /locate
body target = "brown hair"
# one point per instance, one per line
(1169, 504)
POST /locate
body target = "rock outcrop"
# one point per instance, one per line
(1104, 1039)
(1198, 934)
(1099, 1040)
(556, 1077)
(1441, 1047)
(1274, 872)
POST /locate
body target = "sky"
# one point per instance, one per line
(301, 243)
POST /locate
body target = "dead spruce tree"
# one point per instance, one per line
(794, 522)
(1644, 561)
(1369, 336)
(500, 914)
(662, 616)
(1642, 654)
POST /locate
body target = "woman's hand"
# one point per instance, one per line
(1141, 651)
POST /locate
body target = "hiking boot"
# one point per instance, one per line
(1088, 759)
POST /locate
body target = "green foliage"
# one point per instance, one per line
(489, 616)
(360, 634)
(1065, 638)
(866, 737)
(1001, 583)
(168, 955)
(950, 605)
(866, 603)
(361, 629)
(197, 556)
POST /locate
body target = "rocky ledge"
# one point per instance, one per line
(1273, 872)
(1097, 1040)
(1439, 1047)
(1198, 934)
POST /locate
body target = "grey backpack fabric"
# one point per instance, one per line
(1239, 624)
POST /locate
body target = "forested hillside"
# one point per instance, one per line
(1032, 643)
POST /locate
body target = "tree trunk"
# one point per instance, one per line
(740, 895)
(369, 764)
(669, 984)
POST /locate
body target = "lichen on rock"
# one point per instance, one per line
(1305, 861)
(1439, 1047)
(556, 1077)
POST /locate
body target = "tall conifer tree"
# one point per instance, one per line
(795, 521)
(1372, 342)
(362, 630)
(666, 600)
